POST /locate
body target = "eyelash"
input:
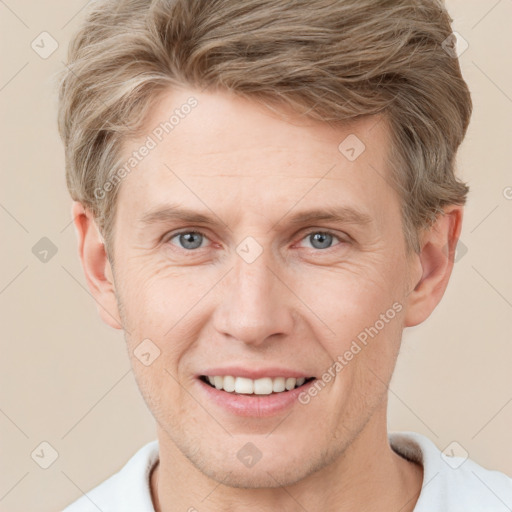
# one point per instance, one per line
(306, 235)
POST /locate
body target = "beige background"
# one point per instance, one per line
(65, 376)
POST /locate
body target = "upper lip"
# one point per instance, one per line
(254, 373)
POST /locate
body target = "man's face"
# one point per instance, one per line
(258, 292)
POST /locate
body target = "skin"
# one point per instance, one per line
(296, 305)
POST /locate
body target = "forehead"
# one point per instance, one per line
(227, 150)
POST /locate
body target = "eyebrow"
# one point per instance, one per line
(336, 214)
(172, 213)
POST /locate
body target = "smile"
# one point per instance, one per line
(246, 386)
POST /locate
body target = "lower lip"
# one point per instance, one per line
(254, 405)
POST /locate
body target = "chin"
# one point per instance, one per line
(255, 478)
(281, 467)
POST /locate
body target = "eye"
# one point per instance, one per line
(192, 240)
(188, 240)
(321, 239)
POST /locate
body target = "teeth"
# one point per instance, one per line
(218, 381)
(290, 383)
(263, 386)
(229, 384)
(278, 384)
(242, 385)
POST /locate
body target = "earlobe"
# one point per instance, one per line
(436, 261)
(97, 269)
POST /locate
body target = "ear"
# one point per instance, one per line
(435, 264)
(97, 269)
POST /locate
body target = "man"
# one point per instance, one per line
(265, 197)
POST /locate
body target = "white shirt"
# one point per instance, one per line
(450, 484)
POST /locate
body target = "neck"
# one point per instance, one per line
(368, 476)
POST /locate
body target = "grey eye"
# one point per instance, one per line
(320, 240)
(189, 239)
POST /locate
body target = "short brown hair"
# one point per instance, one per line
(333, 61)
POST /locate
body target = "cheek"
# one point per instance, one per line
(348, 300)
(156, 298)
(360, 329)
(162, 311)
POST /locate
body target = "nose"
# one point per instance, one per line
(255, 304)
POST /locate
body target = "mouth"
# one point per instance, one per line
(257, 387)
